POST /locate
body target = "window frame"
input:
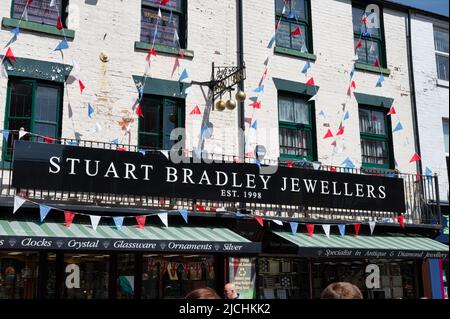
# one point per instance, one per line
(444, 121)
(182, 32)
(301, 22)
(63, 13)
(381, 40)
(35, 83)
(388, 138)
(310, 128)
(440, 53)
(162, 134)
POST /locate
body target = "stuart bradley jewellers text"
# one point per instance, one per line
(233, 180)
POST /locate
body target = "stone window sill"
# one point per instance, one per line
(163, 49)
(38, 27)
(295, 53)
(370, 68)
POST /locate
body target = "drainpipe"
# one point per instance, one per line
(240, 64)
(413, 94)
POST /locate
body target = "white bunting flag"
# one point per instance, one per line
(165, 153)
(356, 58)
(372, 227)
(25, 14)
(316, 166)
(159, 13)
(52, 3)
(94, 221)
(75, 65)
(97, 128)
(22, 133)
(314, 98)
(18, 202)
(284, 10)
(163, 217)
(326, 229)
(176, 38)
(278, 222)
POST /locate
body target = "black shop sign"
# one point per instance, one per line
(77, 169)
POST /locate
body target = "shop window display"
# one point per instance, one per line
(19, 275)
(125, 276)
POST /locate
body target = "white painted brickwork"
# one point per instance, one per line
(432, 100)
(112, 27)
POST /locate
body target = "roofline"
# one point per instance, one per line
(405, 8)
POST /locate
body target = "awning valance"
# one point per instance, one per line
(366, 246)
(32, 235)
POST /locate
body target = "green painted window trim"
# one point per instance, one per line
(31, 118)
(160, 87)
(163, 49)
(371, 68)
(38, 27)
(295, 87)
(310, 128)
(37, 69)
(162, 134)
(378, 137)
(295, 53)
(374, 100)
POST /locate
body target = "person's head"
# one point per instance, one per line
(230, 291)
(202, 293)
(341, 290)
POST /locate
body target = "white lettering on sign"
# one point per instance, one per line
(373, 277)
(73, 277)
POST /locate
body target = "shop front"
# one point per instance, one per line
(384, 266)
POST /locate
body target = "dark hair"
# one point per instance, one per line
(341, 290)
(202, 293)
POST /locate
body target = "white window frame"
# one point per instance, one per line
(441, 53)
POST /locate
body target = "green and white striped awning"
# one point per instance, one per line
(32, 235)
(366, 246)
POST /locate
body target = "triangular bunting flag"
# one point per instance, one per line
(15, 32)
(316, 166)
(401, 220)
(175, 66)
(196, 111)
(52, 3)
(304, 49)
(372, 227)
(82, 87)
(359, 44)
(95, 220)
(310, 82)
(428, 171)
(184, 75)
(376, 63)
(352, 73)
(255, 125)
(346, 115)
(68, 217)
(91, 110)
(63, 45)
(294, 227)
(138, 111)
(398, 127)
(341, 229)
(313, 98)
(326, 229)
(184, 214)
(6, 135)
(165, 153)
(357, 227)
(296, 32)
(380, 80)
(43, 211)
(10, 56)
(163, 217)
(278, 222)
(310, 228)
(259, 89)
(356, 57)
(260, 221)
(22, 133)
(271, 42)
(150, 53)
(322, 113)
(164, 2)
(306, 67)
(48, 140)
(256, 105)
(118, 221)
(392, 111)
(18, 202)
(341, 131)
(328, 135)
(415, 158)
(59, 24)
(141, 221)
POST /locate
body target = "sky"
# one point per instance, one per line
(437, 6)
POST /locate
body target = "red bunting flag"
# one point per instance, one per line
(401, 221)
(181, 54)
(29, 1)
(139, 111)
(341, 131)
(200, 208)
(376, 63)
(82, 86)
(310, 82)
(48, 140)
(150, 53)
(364, 19)
(296, 32)
(310, 228)
(260, 221)
(121, 149)
(196, 111)
(59, 24)
(333, 169)
(328, 135)
(353, 85)
(415, 158)
(277, 25)
(392, 111)
(10, 56)
(141, 221)
(256, 105)
(359, 44)
(164, 2)
(357, 227)
(418, 177)
(249, 154)
(290, 164)
(68, 216)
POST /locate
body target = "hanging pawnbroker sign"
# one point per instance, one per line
(68, 168)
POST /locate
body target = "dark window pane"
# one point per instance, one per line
(301, 112)
(150, 122)
(299, 7)
(374, 152)
(21, 99)
(373, 52)
(357, 16)
(294, 142)
(150, 141)
(372, 122)
(441, 40)
(16, 125)
(286, 109)
(298, 41)
(43, 129)
(38, 11)
(362, 53)
(173, 4)
(283, 35)
(166, 30)
(47, 104)
(279, 4)
(442, 67)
